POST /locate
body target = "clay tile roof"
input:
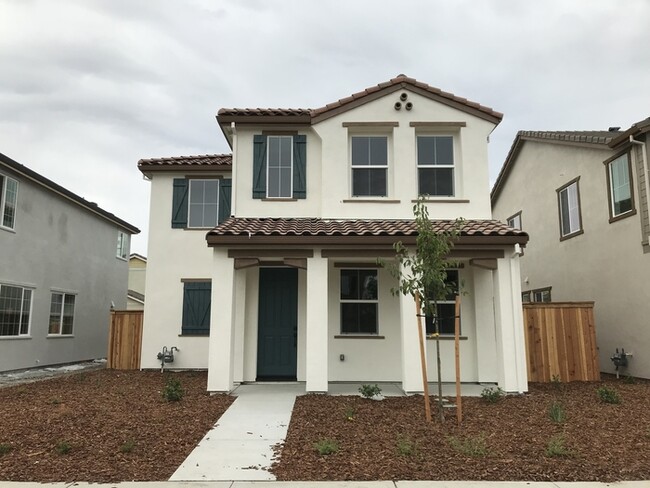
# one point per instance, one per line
(401, 81)
(579, 136)
(250, 228)
(221, 162)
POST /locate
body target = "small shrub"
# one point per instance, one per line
(556, 447)
(629, 379)
(557, 413)
(492, 395)
(350, 413)
(608, 395)
(63, 447)
(5, 449)
(556, 381)
(405, 446)
(369, 391)
(127, 446)
(172, 392)
(55, 401)
(470, 446)
(325, 447)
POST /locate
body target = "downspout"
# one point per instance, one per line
(233, 187)
(517, 312)
(646, 178)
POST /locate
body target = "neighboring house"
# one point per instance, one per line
(289, 286)
(137, 280)
(581, 196)
(63, 263)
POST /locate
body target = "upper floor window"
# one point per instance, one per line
(359, 301)
(619, 186)
(122, 245)
(445, 312)
(61, 314)
(369, 160)
(515, 221)
(279, 166)
(569, 206)
(15, 310)
(8, 199)
(435, 156)
(200, 203)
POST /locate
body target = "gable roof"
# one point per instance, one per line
(218, 162)
(636, 129)
(67, 194)
(584, 138)
(311, 116)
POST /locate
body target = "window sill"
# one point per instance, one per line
(279, 199)
(60, 336)
(370, 200)
(207, 334)
(8, 229)
(15, 338)
(199, 228)
(443, 200)
(359, 336)
(574, 234)
(622, 216)
(446, 338)
(122, 259)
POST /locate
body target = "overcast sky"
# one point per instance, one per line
(89, 87)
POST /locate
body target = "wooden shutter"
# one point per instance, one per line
(196, 308)
(179, 203)
(225, 195)
(300, 166)
(259, 166)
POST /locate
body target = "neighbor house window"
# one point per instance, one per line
(122, 245)
(445, 312)
(61, 314)
(435, 165)
(619, 186)
(204, 203)
(279, 167)
(515, 221)
(569, 206)
(369, 166)
(8, 198)
(359, 301)
(15, 310)
(197, 296)
(538, 295)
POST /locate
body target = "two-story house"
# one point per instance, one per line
(63, 264)
(582, 198)
(288, 284)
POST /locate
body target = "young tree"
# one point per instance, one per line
(422, 273)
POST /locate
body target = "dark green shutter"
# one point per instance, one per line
(259, 166)
(300, 166)
(225, 192)
(196, 308)
(179, 203)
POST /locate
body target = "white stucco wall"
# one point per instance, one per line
(606, 264)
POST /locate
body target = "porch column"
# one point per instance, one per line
(411, 363)
(510, 341)
(239, 323)
(222, 323)
(316, 363)
(486, 348)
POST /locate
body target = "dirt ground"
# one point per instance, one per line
(513, 439)
(103, 426)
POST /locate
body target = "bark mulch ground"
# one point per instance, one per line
(513, 439)
(103, 426)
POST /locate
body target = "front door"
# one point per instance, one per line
(277, 324)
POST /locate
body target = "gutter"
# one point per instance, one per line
(644, 155)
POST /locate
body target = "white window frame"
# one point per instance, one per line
(451, 166)
(536, 295)
(3, 201)
(29, 315)
(515, 221)
(268, 166)
(385, 167)
(61, 315)
(189, 202)
(575, 222)
(375, 302)
(623, 158)
(122, 246)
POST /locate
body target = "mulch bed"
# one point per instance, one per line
(114, 425)
(389, 439)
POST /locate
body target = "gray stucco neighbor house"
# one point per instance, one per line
(63, 264)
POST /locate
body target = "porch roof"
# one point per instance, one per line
(313, 231)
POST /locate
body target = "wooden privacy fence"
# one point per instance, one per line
(125, 339)
(561, 341)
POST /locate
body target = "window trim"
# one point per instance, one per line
(452, 166)
(3, 200)
(268, 166)
(123, 239)
(385, 167)
(576, 181)
(610, 195)
(512, 217)
(189, 200)
(26, 335)
(342, 301)
(63, 294)
(531, 295)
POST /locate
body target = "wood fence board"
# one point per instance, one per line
(125, 339)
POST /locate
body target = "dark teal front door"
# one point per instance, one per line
(277, 324)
